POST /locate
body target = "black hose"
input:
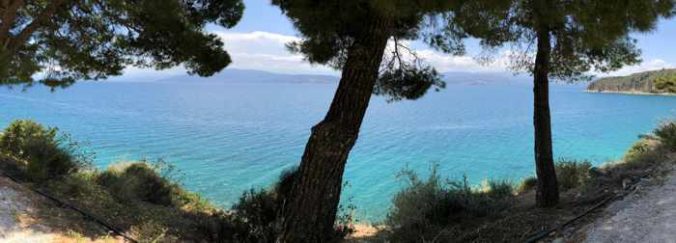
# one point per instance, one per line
(87, 215)
(542, 234)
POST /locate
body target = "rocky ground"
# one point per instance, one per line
(647, 215)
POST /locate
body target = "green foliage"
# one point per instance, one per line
(667, 135)
(188, 217)
(72, 40)
(255, 217)
(572, 174)
(138, 182)
(427, 209)
(16, 137)
(527, 184)
(46, 153)
(666, 84)
(638, 150)
(150, 232)
(407, 83)
(343, 23)
(660, 81)
(257, 213)
(585, 35)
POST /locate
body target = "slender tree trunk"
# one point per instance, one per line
(547, 192)
(310, 211)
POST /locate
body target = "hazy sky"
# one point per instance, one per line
(257, 42)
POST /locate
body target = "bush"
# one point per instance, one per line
(46, 154)
(667, 134)
(256, 215)
(638, 150)
(255, 218)
(527, 184)
(572, 174)
(151, 232)
(138, 182)
(429, 209)
(20, 133)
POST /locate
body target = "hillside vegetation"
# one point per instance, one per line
(660, 81)
(143, 200)
(140, 198)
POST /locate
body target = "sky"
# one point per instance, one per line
(258, 42)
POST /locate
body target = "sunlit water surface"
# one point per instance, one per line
(229, 137)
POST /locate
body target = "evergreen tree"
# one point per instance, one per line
(571, 38)
(69, 40)
(351, 35)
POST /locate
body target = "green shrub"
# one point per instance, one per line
(256, 214)
(429, 209)
(151, 232)
(138, 182)
(46, 153)
(16, 137)
(666, 84)
(527, 184)
(255, 217)
(638, 150)
(499, 188)
(667, 134)
(572, 174)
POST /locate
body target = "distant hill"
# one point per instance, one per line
(654, 82)
(478, 78)
(254, 76)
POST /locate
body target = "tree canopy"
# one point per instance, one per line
(586, 35)
(329, 28)
(352, 36)
(561, 39)
(69, 40)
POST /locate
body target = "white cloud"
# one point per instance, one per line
(647, 65)
(266, 51)
(449, 63)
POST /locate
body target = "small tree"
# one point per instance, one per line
(69, 40)
(571, 38)
(352, 36)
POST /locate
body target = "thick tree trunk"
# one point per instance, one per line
(547, 192)
(310, 211)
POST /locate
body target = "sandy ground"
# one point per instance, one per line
(647, 216)
(16, 213)
(23, 214)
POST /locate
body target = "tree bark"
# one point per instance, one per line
(547, 191)
(309, 213)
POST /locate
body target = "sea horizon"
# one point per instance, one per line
(228, 137)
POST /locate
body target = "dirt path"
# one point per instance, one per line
(16, 216)
(648, 216)
(28, 217)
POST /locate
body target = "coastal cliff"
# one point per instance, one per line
(651, 82)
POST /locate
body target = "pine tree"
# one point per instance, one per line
(351, 35)
(571, 38)
(71, 40)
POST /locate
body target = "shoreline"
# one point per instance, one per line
(643, 93)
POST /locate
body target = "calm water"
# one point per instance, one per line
(229, 137)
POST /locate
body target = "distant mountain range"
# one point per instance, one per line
(256, 76)
(484, 78)
(651, 82)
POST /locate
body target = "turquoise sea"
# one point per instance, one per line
(229, 137)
